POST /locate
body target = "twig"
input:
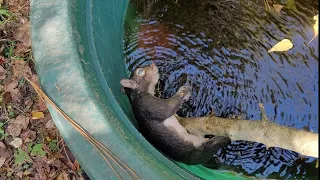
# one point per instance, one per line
(5, 110)
(14, 14)
(311, 40)
(64, 149)
(17, 108)
(55, 174)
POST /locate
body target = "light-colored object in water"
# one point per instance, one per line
(283, 45)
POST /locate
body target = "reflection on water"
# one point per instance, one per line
(220, 49)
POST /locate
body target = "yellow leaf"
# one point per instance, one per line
(283, 45)
(277, 7)
(317, 163)
(37, 115)
(315, 27)
(48, 138)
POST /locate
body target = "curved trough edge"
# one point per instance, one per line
(59, 64)
(62, 56)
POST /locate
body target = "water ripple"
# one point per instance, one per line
(220, 49)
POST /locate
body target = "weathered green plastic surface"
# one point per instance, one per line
(77, 46)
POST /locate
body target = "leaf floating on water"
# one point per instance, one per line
(291, 4)
(283, 45)
(37, 115)
(315, 27)
(277, 7)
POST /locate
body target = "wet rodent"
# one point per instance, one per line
(157, 123)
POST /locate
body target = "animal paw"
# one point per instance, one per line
(185, 92)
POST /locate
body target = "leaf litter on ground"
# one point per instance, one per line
(30, 144)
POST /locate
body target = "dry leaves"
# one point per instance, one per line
(283, 45)
(17, 125)
(2, 73)
(12, 88)
(13, 130)
(22, 120)
(2, 160)
(315, 27)
(63, 176)
(40, 105)
(20, 68)
(2, 145)
(16, 142)
(22, 34)
(50, 124)
(28, 136)
(4, 152)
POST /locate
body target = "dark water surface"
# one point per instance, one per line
(220, 49)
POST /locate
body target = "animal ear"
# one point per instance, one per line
(128, 83)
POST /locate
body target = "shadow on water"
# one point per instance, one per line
(220, 49)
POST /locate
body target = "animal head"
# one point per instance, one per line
(144, 79)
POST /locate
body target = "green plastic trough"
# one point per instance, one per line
(77, 48)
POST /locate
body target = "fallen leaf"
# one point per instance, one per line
(5, 153)
(37, 115)
(22, 34)
(21, 68)
(28, 136)
(16, 142)
(277, 7)
(21, 120)
(2, 73)
(57, 163)
(12, 87)
(26, 172)
(50, 124)
(40, 105)
(7, 97)
(13, 130)
(63, 176)
(41, 167)
(20, 174)
(2, 145)
(16, 95)
(315, 27)
(2, 160)
(283, 45)
(77, 165)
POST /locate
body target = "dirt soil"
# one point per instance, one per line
(30, 145)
